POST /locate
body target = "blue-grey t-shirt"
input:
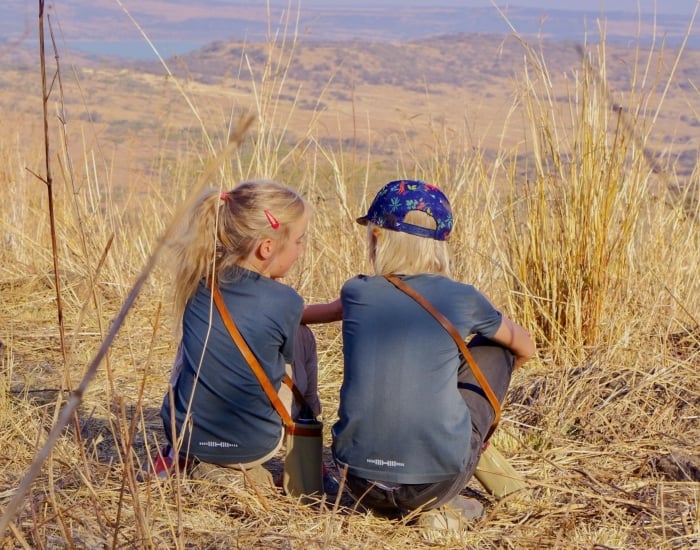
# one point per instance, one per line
(401, 416)
(232, 419)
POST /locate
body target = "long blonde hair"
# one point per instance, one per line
(220, 229)
(397, 252)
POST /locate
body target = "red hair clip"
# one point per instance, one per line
(274, 222)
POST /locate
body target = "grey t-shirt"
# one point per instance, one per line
(232, 419)
(401, 416)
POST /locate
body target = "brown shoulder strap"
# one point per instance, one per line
(450, 328)
(251, 359)
(287, 381)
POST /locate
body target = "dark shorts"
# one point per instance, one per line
(496, 363)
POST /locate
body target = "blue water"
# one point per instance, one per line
(134, 49)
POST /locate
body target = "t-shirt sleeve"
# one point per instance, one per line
(296, 308)
(288, 346)
(487, 319)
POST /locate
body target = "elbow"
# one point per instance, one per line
(527, 351)
(526, 346)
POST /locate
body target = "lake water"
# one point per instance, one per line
(135, 49)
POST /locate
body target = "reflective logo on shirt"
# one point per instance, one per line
(222, 444)
(389, 463)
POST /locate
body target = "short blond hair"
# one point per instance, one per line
(220, 229)
(406, 254)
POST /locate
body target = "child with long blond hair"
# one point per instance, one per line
(217, 415)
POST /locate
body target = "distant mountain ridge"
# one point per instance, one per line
(101, 27)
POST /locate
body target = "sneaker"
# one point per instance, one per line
(330, 482)
(163, 464)
(453, 516)
(258, 476)
(161, 468)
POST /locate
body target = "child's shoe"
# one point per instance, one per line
(330, 481)
(162, 465)
(453, 516)
(164, 462)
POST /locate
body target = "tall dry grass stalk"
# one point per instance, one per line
(575, 235)
(579, 221)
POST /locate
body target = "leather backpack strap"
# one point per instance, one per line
(256, 367)
(464, 350)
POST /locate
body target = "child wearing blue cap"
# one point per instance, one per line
(413, 416)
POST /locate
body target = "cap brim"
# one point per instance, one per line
(362, 220)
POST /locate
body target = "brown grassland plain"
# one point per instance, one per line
(574, 179)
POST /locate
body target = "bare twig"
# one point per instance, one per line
(49, 189)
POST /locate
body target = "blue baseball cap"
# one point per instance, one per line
(398, 198)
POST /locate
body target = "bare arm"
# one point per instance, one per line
(516, 339)
(322, 313)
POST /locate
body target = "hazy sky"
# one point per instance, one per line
(629, 6)
(633, 6)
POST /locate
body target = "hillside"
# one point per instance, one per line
(362, 95)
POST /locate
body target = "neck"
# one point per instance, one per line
(253, 265)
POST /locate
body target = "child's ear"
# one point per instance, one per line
(373, 243)
(266, 248)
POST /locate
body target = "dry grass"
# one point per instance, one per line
(587, 244)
